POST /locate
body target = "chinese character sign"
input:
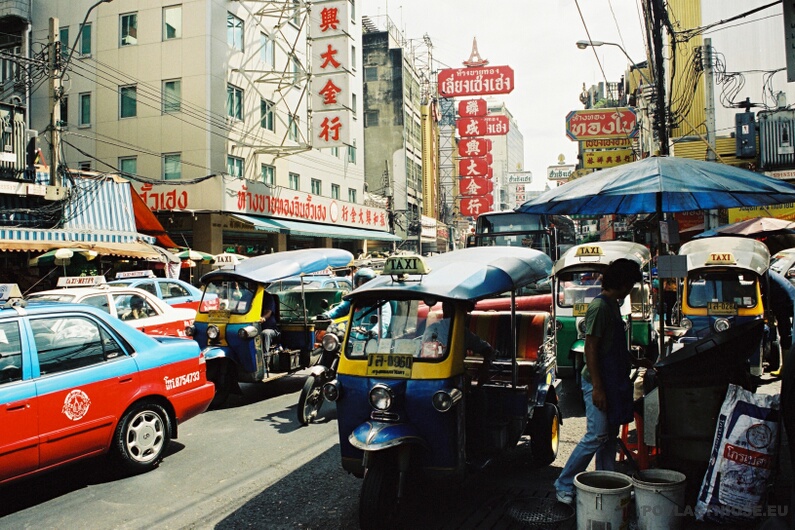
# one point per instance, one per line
(607, 158)
(329, 19)
(331, 92)
(474, 206)
(473, 147)
(475, 186)
(472, 108)
(473, 167)
(486, 126)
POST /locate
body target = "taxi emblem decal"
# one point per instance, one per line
(75, 405)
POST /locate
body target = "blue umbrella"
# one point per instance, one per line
(662, 185)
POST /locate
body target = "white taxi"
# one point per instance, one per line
(138, 308)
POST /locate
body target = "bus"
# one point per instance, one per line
(551, 234)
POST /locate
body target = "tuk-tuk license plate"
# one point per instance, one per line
(389, 365)
(721, 308)
(580, 310)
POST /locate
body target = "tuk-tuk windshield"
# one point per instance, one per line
(578, 287)
(233, 295)
(399, 327)
(737, 287)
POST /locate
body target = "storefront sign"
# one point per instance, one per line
(486, 126)
(474, 146)
(255, 198)
(603, 159)
(472, 108)
(524, 177)
(779, 211)
(603, 123)
(473, 167)
(476, 81)
(607, 143)
(474, 206)
(474, 186)
(560, 172)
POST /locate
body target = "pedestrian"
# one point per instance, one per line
(669, 299)
(606, 386)
(782, 305)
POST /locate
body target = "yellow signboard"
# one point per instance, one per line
(720, 258)
(580, 310)
(589, 250)
(602, 143)
(780, 211)
(611, 158)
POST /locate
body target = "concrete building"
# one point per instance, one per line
(507, 153)
(206, 106)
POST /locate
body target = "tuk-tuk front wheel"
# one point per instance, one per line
(311, 400)
(378, 501)
(545, 434)
(219, 373)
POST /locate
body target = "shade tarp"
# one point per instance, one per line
(146, 222)
(299, 228)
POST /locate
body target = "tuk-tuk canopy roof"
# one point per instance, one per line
(466, 274)
(726, 251)
(600, 254)
(271, 267)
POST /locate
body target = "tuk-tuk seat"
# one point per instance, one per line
(495, 328)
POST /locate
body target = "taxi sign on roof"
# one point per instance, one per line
(80, 281)
(720, 258)
(135, 274)
(589, 250)
(405, 265)
(9, 291)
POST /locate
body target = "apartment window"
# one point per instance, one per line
(172, 166)
(234, 166)
(172, 22)
(266, 114)
(268, 174)
(63, 36)
(335, 191)
(84, 116)
(292, 124)
(353, 105)
(10, 67)
(129, 29)
(172, 95)
(294, 181)
(234, 102)
(267, 52)
(353, 10)
(351, 195)
(335, 151)
(317, 187)
(84, 46)
(352, 153)
(234, 32)
(371, 118)
(353, 57)
(128, 165)
(128, 101)
(371, 73)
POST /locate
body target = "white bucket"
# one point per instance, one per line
(603, 499)
(659, 499)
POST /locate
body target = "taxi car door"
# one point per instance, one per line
(85, 380)
(19, 446)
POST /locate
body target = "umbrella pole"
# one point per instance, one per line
(660, 302)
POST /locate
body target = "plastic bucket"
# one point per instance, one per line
(603, 499)
(659, 499)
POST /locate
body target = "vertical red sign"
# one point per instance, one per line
(472, 108)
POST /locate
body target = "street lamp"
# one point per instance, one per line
(583, 44)
(80, 32)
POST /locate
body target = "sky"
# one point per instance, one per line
(537, 39)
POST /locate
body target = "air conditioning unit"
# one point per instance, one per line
(128, 40)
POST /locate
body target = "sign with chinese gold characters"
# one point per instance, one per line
(607, 158)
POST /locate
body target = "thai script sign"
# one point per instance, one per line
(474, 147)
(560, 172)
(602, 123)
(602, 159)
(524, 177)
(474, 206)
(473, 167)
(779, 211)
(606, 143)
(472, 108)
(477, 81)
(475, 186)
(486, 126)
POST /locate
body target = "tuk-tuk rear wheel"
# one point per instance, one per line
(311, 400)
(378, 501)
(545, 435)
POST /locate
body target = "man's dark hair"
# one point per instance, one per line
(622, 272)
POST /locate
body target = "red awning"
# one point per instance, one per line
(147, 223)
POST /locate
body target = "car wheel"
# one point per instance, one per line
(310, 401)
(142, 436)
(545, 434)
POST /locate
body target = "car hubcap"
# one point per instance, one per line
(145, 436)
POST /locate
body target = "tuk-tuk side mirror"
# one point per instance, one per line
(373, 319)
(324, 303)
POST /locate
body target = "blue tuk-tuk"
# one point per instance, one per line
(231, 336)
(423, 394)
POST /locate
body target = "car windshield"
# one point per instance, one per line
(52, 297)
(408, 327)
(734, 287)
(235, 296)
(578, 287)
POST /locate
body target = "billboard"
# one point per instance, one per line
(602, 123)
(475, 81)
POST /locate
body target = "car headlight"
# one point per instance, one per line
(722, 324)
(190, 331)
(330, 342)
(381, 397)
(213, 332)
(331, 391)
(246, 332)
(686, 323)
(443, 400)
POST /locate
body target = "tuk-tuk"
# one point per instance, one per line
(578, 279)
(231, 336)
(416, 399)
(724, 287)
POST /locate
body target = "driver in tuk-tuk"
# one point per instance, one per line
(361, 317)
(270, 328)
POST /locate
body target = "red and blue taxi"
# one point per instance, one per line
(76, 382)
(172, 291)
(140, 309)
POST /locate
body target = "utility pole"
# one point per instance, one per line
(55, 99)
(711, 217)
(661, 112)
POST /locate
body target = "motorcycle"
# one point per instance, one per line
(311, 399)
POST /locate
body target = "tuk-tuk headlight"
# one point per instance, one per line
(558, 324)
(381, 397)
(581, 325)
(190, 331)
(443, 400)
(722, 324)
(247, 332)
(331, 391)
(330, 342)
(686, 323)
(213, 332)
